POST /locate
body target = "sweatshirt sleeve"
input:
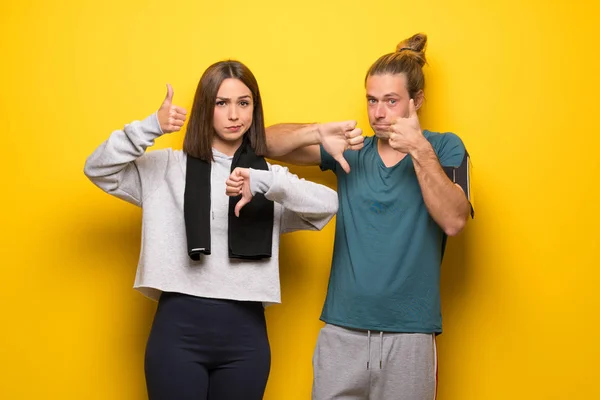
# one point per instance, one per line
(120, 166)
(306, 205)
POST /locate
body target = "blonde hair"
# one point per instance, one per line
(409, 59)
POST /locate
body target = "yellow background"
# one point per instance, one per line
(518, 81)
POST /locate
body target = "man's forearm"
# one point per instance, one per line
(283, 139)
(445, 201)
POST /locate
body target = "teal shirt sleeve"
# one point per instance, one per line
(450, 150)
(327, 162)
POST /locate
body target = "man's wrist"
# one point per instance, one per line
(315, 134)
(421, 149)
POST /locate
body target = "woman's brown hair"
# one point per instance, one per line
(200, 130)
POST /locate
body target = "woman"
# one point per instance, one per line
(210, 260)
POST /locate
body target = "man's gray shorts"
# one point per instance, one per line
(351, 364)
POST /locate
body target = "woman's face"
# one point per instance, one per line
(233, 112)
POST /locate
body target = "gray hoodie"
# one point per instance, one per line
(155, 181)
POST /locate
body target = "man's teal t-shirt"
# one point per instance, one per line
(385, 273)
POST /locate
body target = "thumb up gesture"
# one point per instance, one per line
(170, 116)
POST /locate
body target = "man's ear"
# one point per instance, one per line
(419, 98)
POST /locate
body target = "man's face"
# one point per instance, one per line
(387, 100)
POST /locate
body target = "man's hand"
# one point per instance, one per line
(337, 137)
(405, 134)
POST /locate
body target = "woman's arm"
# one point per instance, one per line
(115, 165)
(307, 205)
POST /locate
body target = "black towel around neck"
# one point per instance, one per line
(250, 235)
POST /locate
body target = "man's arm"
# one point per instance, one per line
(299, 143)
(445, 200)
(294, 143)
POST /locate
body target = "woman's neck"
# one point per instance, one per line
(227, 148)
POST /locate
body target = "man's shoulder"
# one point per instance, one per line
(441, 138)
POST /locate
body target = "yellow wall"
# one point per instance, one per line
(518, 80)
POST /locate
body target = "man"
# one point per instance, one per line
(401, 193)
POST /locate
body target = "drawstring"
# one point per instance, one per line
(368, 348)
(380, 349)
